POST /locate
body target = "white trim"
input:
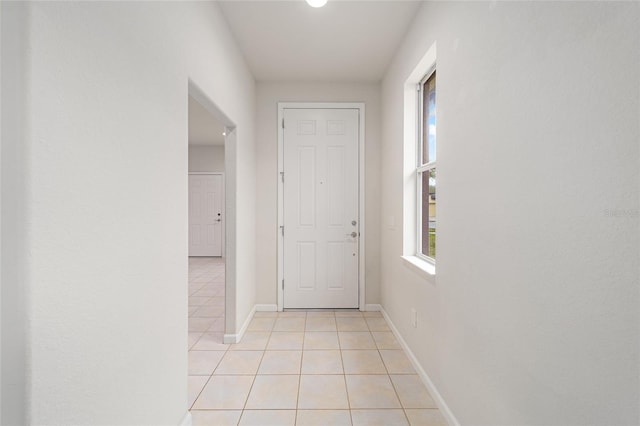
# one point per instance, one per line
(223, 234)
(373, 307)
(439, 400)
(422, 267)
(187, 420)
(361, 207)
(236, 338)
(267, 308)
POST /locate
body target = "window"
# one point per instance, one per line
(426, 169)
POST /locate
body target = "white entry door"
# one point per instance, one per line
(205, 215)
(321, 220)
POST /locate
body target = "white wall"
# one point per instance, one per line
(203, 158)
(12, 268)
(533, 317)
(268, 95)
(105, 147)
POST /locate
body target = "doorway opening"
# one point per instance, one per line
(206, 226)
(211, 234)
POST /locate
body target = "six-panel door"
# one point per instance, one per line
(205, 215)
(321, 220)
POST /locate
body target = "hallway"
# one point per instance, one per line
(206, 301)
(297, 368)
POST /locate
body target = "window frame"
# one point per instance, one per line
(422, 167)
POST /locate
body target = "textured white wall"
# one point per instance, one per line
(533, 317)
(105, 145)
(267, 97)
(204, 158)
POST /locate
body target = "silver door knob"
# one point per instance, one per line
(353, 234)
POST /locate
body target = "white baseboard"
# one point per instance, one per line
(373, 308)
(236, 338)
(187, 420)
(267, 308)
(442, 405)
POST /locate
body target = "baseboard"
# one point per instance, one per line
(187, 420)
(373, 307)
(236, 338)
(442, 405)
(267, 308)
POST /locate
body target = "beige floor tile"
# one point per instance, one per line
(348, 313)
(209, 312)
(207, 291)
(323, 392)
(197, 301)
(239, 362)
(194, 288)
(203, 362)
(321, 340)
(261, 324)
(412, 392)
(210, 342)
(289, 324)
(194, 387)
(286, 340)
(252, 341)
(216, 301)
(280, 362)
(371, 392)
(292, 314)
(268, 418)
(351, 324)
(323, 418)
(377, 324)
(320, 324)
(200, 324)
(262, 314)
(321, 314)
(224, 393)
(193, 310)
(356, 340)
(362, 362)
(193, 338)
(322, 362)
(426, 418)
(379, 418)
(273, 392)
(215, 417)
(217, 326)
(385, 340)
(369, 314)
(397, 362)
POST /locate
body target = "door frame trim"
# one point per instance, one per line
(224, 210)
(361, 191)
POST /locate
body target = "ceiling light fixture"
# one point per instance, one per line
(316, 3)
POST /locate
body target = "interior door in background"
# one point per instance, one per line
(205, 215)
(321, 217)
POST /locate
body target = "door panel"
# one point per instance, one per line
(321, 193)
(205, 215)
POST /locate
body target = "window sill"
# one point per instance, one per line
(420, 266)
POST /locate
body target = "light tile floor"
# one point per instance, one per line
(297, 368)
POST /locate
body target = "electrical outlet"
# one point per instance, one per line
(414, 318)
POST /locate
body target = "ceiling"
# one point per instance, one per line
(341, 42)
(204, 129)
